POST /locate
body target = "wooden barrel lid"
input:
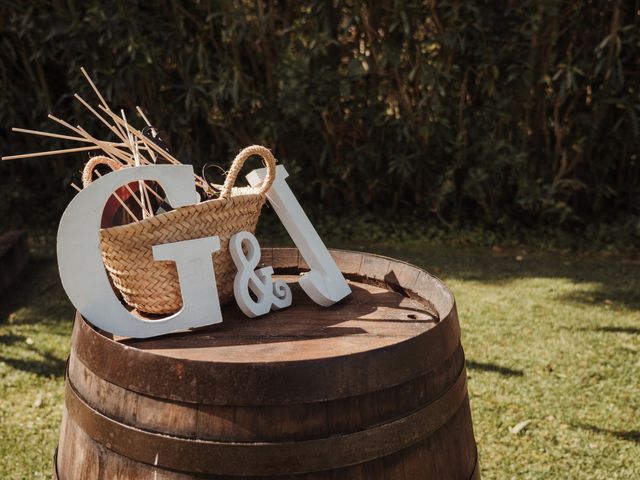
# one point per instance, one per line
(398, 323)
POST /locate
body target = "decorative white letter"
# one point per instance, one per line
(85, 279)
(270, 295)
(200, 302)
(324, 283)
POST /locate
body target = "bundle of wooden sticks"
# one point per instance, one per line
(133, 148)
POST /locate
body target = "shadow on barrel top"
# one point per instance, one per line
(362, 307)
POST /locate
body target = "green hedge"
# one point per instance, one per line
(500, 112)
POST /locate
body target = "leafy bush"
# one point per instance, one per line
(508, 112)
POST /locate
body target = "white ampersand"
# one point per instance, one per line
(269, 294)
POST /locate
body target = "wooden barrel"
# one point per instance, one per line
(371, 388)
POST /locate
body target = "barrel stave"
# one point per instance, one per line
(272, 423)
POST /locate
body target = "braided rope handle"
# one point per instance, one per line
(268, 159)
(87, 173)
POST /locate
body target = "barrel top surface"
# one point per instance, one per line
(378, 336)
(370, 318)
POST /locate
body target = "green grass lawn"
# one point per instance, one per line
(552, 343)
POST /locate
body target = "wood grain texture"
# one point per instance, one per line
(317, 352)
(266, 458)
(369, 388)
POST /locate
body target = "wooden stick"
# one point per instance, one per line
(133, 195)
(124, 205)
(145, 211)
(82, 132)
(121, 156)
(149, 144)
(155, 147)
(95, 89)
(52, 135)
(119, 128)
(111, 152)
(117, 155)
(109, 149)
(128, 160)
(131, 192)
(93, 85)
(136, 161)
(147, 187)
(142, 207)
(144, 117)
(128, 143)
(153, 192)
(100, 117)
(129, 136)
(151, 152)
(52, 152)
(65, 124)
(144, 139)
(145, 197)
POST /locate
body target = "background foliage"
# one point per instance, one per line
(500, 112)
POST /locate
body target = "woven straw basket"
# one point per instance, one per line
(152, 286)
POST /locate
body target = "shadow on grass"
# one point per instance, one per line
(493, 368)
(616, 329)
(613, 280)
(627, 435)
(39, 291)
(48, 366)
(11, 338)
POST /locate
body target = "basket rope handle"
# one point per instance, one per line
(268, 159)
(87, 173)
